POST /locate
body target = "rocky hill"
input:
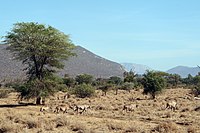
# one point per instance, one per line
(183, 71)
(137, 68)
(84, 62)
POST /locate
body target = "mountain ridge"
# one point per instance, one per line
(85, 62)
(183, 71)
(137, 68)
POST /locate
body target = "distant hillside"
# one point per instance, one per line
(138, 68)
(84, 62)
(183, 71)
(88, 62)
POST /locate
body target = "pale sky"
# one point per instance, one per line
(158, 33)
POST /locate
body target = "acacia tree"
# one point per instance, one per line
(41, 48)
(116, 81)
(153, 83)
(84, 78)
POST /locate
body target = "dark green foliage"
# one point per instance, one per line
(129, 76)
(196, 87)
(41, 49)
(70, 82)
(84, 78)
(115, 80)
(189, 80)
(37, 88)
(4, 93)
(173, 80)
(105, 88)
(84, 90)
(127, 86)
(100, 81)
(196, 90)
(153, 83)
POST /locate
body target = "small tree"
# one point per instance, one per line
(127, 86)
(70, 82)
(84, 90)
(84, 78)
(41, 49)
(153, 83)
(105, 88)
(129, 76)
(116, 81)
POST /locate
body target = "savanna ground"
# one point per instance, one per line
(105, 115)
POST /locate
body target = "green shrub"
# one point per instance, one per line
(70, 82)
(105, 88)
(4, 93)
(196, 90)
(127, 86)
(84, 90)
(84, 78)
(153, 83)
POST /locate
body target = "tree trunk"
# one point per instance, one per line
(116, 92)
(153, 96)
(38, 101)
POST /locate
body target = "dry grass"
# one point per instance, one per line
(106, 115)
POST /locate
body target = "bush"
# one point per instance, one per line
(167, 128)
(37, 89)
(70, 82)
(127, 86)
(84, 90)
(153, 83)
(196, 90)
(84, 78)
(4, 93)
(105, 88)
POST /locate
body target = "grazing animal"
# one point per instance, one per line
(130, 107)
(45, 108)
(197, 109)
(196, 98)
(66, 96)
(171, 105)
(81, 108)
(62, 108)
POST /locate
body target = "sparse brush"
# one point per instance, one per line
(4, 93)
(167, 128)
(115, 126)
(32, 123)
(61, 121)
(4, 128)
(48, 125)
(9, 127)
(78, 127)
(191, 129)
(131, 129)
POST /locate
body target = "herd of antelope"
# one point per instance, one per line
(80, 109)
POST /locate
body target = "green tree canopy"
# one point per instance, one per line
(84, 78)
(129, 76)
(41, 48)
(153, 83)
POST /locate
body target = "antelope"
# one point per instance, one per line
(63, 108)
(130, 107)
(82, 108)
(171, 105)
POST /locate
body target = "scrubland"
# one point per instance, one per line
(106, 114)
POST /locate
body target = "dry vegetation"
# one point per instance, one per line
(105, 115)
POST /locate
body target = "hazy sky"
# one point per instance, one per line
(159, 33)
